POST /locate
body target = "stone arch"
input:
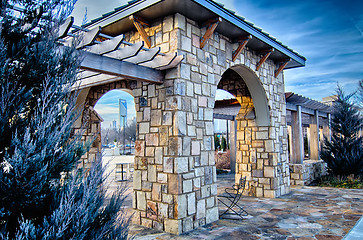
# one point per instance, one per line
(252, 125)
(89, 121)
(255, 90)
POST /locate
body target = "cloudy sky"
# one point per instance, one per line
(329, 33)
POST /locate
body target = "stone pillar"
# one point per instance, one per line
(314, 136)
(175, 176)
(297, 137)
(233, 145)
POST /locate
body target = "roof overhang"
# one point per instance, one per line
(117, 22)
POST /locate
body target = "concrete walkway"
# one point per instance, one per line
(306, 213)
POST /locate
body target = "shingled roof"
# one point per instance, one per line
(233, 26)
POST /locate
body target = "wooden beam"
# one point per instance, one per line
(96, 80)
(144, 56)
(160, 61)
(107, 45)
(297, 135)
(65, 27)
(83, 39)
(241, 45)
(173, 63)
(265, 55)
(281, 67)
(211, 26)
(139, 24)
(126, 52)
(314, 136)
(111, 66)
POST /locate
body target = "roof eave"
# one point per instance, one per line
(216, 9)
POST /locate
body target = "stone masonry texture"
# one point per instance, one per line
(175, 187)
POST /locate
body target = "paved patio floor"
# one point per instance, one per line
(306, 213)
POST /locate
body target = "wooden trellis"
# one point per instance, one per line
(107, 59)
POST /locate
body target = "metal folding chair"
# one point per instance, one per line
(230, 199)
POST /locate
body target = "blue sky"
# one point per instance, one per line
(329, 33)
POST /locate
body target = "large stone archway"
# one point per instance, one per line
(259, 149)
(174, 182)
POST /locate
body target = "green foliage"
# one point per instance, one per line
(341, 182)
(217, 145)
(37, 143)
(224, 144)
(344, 153)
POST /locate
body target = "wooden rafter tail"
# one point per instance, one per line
(265, 55)
(126, 52)
(211, 26)
(281, 67)
(139, 23)
(177, 60)
(65, 27)
(88, 38)
(241, 45)
(160, 61)
(107, 45)
(144, 56)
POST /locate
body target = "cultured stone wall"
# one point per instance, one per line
(306, 173)
(175, 187)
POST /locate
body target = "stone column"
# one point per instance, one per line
(297, 137)
(314, 136)
(233, 145)
(175, 176)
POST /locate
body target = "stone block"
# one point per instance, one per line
(175, 146)
(181, 164)
(168, 165)
(179, 21)
(152, 139)
(191, 131)
(137, 180)
(168, 198)
(186, 44)
(212, 215)
(201, 209)
(162, 177)
(180, 124)
(173, 226)
(269, 146)
(156, 118)
(139, 148)
(181, 206)
(174, 184)
(191, 203)
(186, 146)
(187, 224)
(187, 186)
(158, 155)
(195, 148)
(205, 191)
(141, 200)
(168, 24)
(269, 172)
(151, 173)
(150, 152)
(144, 127)
(164, 135)
(156, 192)
(199, 171)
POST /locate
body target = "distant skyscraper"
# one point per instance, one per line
(114, 124)
(122, 112)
